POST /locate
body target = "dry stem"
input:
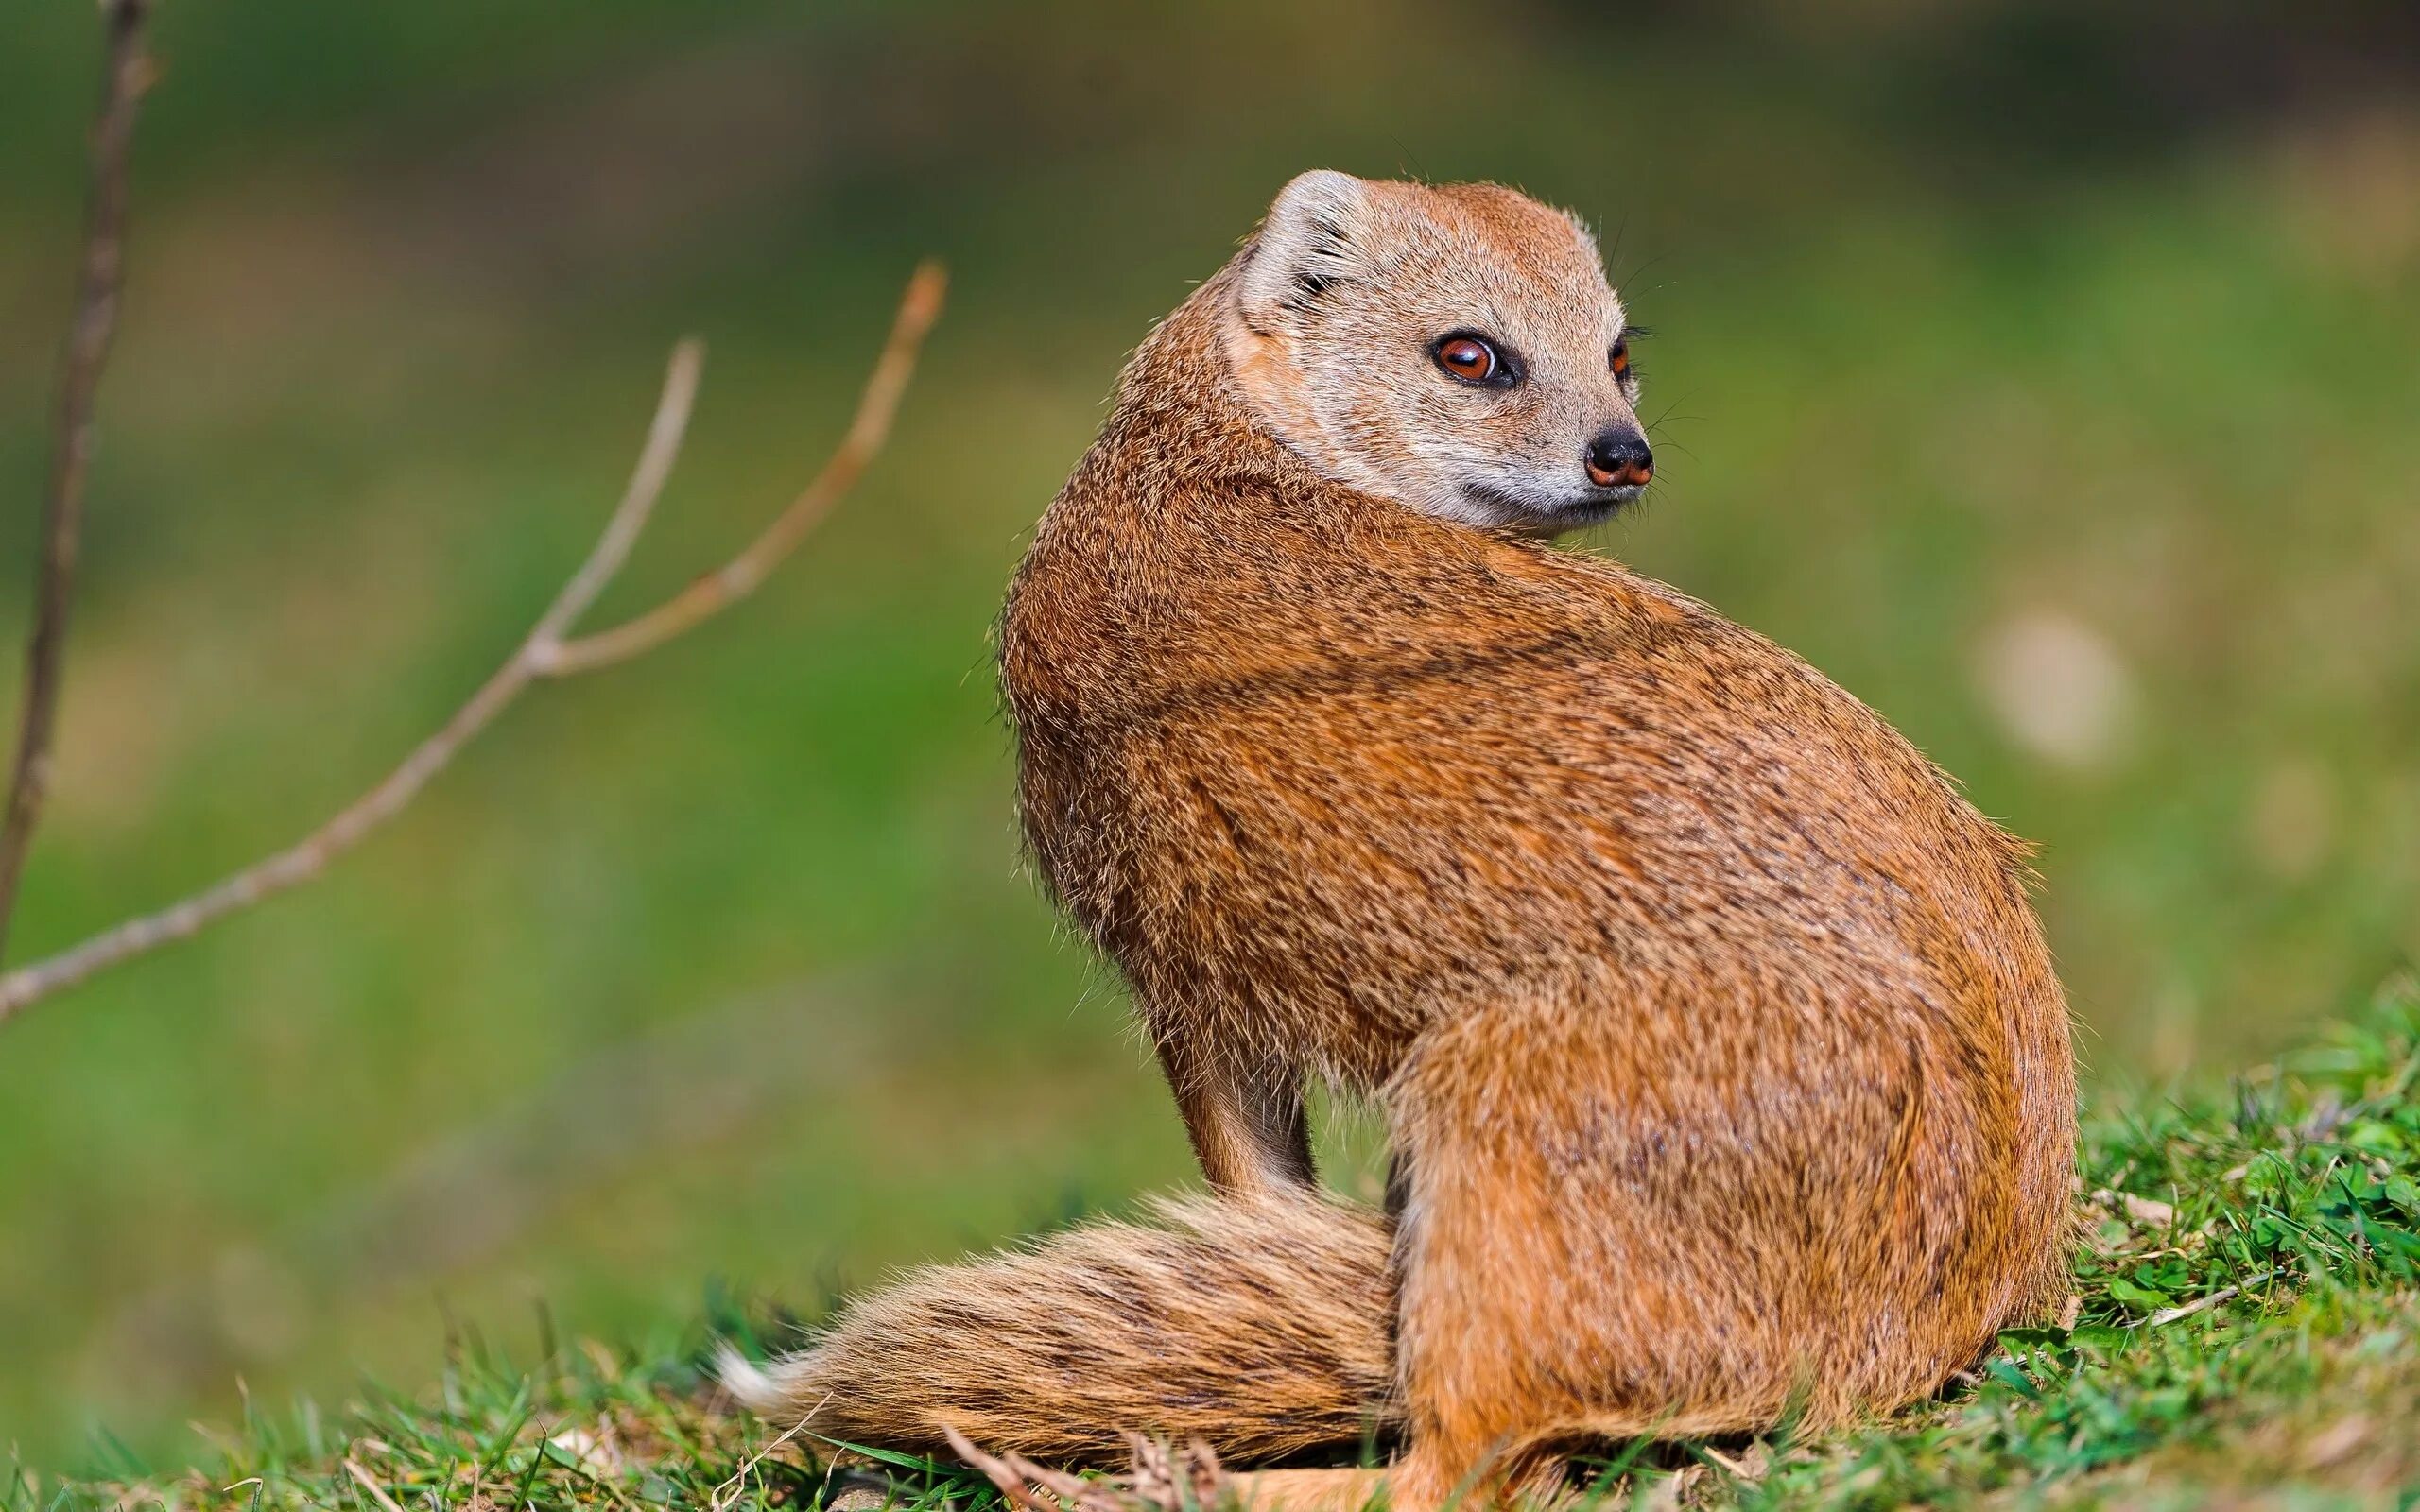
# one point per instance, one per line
(98, 281)
(1160, 1478)
(546, 651)
(739, 578)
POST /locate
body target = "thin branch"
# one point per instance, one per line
(97, 284)
(311, 855)
(540, 653)
(2224, 1294)
(739, 578)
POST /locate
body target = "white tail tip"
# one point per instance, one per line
(744, 1379)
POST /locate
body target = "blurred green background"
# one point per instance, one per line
(2049, 376)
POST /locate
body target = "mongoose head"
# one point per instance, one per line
(1454, 348)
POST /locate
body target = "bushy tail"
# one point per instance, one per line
(1260, 1326)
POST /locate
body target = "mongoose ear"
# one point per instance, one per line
(1305, 245)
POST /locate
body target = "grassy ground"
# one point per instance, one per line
(2246, 1329)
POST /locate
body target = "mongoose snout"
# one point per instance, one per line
(1620, 458)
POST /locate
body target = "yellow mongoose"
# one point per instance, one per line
(1724, 1061)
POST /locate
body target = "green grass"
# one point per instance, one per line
(2245, 1325)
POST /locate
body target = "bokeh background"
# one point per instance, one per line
(2050, 376)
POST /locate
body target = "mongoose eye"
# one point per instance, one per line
(1619, 358)
(1471, 359)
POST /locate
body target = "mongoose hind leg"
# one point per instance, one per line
(1247, 1124)
(1573, 1264)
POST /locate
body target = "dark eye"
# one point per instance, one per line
(1481, 361)
(1619, 358)
(1470, 359)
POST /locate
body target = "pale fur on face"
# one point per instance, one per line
(1342, 301)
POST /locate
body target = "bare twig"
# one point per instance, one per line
(362, 1479)
(540, 653)
(98, 281)
(1016, 1479)
(2224, 1294)
(308, 856)
(731, 1489)
(1160, 1478)
(739, 578)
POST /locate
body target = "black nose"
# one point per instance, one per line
(1620, 459)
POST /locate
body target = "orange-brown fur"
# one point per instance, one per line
(1035, 1350)
(1723, 1057)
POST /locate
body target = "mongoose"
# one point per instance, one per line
(1722, 1058)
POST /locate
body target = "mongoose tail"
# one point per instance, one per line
(1259, 1327)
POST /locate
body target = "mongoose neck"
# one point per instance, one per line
(1180, 418)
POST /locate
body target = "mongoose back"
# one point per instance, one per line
(1724, 1066)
